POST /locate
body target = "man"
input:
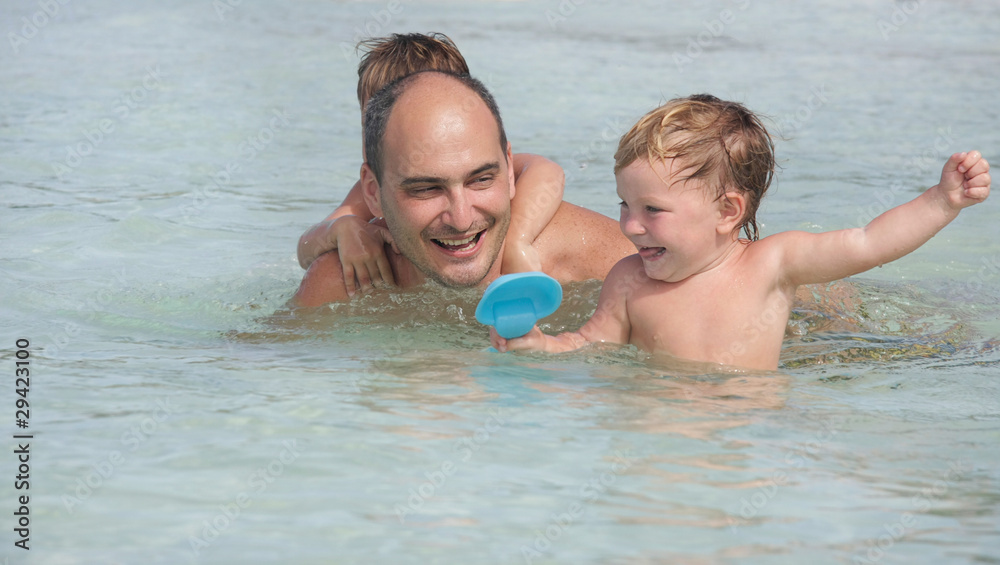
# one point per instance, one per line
(439, 171)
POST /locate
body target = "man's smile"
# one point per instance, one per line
(460, 247)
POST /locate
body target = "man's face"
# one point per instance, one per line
(446, 183)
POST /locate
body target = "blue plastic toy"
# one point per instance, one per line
(514, 303)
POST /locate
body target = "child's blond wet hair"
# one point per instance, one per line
(721, 142)
(400, 54)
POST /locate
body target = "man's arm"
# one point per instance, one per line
(580, 244)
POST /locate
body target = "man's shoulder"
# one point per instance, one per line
(323, 282)
(581, 244)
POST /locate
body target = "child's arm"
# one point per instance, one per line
(539, 184)
(360, 244)
(609, 323)
(808, 258)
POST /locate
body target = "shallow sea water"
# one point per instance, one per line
(181, 414)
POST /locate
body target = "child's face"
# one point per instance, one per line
(672, 223)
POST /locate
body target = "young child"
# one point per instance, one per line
(691, 174)
(349, 229)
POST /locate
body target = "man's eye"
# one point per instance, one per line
(422, 191)
(482, 181)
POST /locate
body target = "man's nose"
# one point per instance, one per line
(460, 215)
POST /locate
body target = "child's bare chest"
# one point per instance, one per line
(725, 322)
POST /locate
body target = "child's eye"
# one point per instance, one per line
(623, 204)
(653, 209)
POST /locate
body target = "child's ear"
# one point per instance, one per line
(369, 189)
(732, 206)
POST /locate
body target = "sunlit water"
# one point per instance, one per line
(180, 414)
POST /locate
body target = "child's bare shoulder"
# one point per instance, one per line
(765, 255)
(769, 256)
(627, 274)
(774, 245)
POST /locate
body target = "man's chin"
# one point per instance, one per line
(458, 280)
(460, 275)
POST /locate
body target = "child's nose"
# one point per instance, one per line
(630, 225)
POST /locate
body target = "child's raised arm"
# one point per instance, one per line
(814, 258)
(539, 184)
(359, 243)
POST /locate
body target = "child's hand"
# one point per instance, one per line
(965, 179)
(362, 253)
(533, 340)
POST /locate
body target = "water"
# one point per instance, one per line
(181, 415)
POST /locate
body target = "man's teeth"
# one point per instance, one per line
(459, 242)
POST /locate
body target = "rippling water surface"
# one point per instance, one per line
(158, 163)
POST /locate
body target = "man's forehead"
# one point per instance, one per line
(439, 104)
(428, 129)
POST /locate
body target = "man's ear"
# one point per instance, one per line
(369, 189)
(732, 206)
(510, 171)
